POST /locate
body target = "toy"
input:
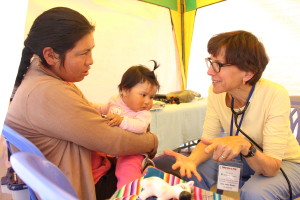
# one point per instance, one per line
(155, 186)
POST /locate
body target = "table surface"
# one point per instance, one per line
(176, 124)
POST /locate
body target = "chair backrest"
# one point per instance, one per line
(295, 121)
(45, 178)
(19, 141)
(23, 145)
(295, 116)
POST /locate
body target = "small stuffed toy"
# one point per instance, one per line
(155, 186)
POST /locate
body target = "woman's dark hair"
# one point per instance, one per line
(59, 28)
(138, 74)
(242, 49)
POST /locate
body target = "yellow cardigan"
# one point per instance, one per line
(266, 120)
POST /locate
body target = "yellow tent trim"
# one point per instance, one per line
(187, 9)
(189, 18)
(177, 24)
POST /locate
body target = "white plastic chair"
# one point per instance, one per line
(22, 144)
(45, 178)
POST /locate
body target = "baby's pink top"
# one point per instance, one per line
(133, 121)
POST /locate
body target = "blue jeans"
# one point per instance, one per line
(254, 186)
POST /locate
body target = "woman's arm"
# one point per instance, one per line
(226, 148)
(63, 113)
(101, 107)
(199, 155)
(263, 164)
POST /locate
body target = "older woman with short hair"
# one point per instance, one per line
(254, 112)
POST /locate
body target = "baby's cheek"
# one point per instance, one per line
(149, 106)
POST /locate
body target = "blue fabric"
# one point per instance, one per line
(273, 187)
(254, 186)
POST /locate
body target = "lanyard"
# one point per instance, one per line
(236, 114)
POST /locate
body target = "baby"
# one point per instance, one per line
(130, 111)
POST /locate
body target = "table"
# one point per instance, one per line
(177, 124)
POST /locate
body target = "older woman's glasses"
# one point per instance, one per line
(215, 65)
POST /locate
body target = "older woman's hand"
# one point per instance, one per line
(187, 166)
(226, 148)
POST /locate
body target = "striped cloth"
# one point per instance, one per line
(132, 190)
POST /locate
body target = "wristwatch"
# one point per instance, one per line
(252, 151)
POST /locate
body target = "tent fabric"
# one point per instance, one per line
(202, 3)
(189, 14)
(12, 42)
(176, 22)
(171, 4)
(189, 19)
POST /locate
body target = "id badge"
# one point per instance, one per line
(229, 175)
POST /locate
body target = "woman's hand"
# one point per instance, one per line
(114, 119)
(226, 148)
(187, 166)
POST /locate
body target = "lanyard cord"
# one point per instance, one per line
(236, 114)
(238, 127)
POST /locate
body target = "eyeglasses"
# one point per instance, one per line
(215, 65)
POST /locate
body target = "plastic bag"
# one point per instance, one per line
(184, 96)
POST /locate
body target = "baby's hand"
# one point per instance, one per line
(114, 119)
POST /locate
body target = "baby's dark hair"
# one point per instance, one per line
(139, 74)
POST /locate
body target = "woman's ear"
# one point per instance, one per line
(50, 56)
(248, 76)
